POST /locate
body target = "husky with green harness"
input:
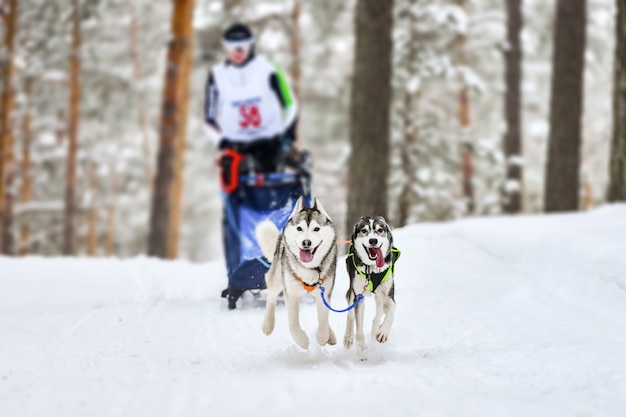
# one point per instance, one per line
(371, 265)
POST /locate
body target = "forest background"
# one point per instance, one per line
(102, 115)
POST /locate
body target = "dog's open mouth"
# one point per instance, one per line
(306, 255)
(376, 254)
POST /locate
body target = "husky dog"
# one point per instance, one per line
(370, 265)
(303, 257)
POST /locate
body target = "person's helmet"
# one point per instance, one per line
(238, 34)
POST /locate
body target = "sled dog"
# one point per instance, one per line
(303, 256)
(370, 265)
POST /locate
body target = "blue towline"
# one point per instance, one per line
(359, 297)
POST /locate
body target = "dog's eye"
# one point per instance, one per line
(363, 231)
(299, 229)
(317, 229)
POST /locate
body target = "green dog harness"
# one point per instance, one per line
(375, 279)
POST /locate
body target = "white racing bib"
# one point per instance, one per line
(248, 108)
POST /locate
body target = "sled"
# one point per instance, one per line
(249, 197)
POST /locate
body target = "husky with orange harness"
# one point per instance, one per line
(303, 257)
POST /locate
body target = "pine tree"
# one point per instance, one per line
(408, 196)
(9, 13)
(172, 121)
(26, 189)
(566, 106)
(512, 110)
(72, 147)
(617, 172)
(467, 147)
(369, 114)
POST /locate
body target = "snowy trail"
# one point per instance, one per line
(495, 317)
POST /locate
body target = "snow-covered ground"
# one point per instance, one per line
(495, 317)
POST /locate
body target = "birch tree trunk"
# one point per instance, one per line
(562, 186)
(172, 121)
(617, 172)
(72, 147)
(369, 114)
(512, 106)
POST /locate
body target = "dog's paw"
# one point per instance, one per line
(326, 337)
(301, 338)
(361, 350)
(332, 339)
(322, 337)
(381, 336)
(268, 326)
(348, 340)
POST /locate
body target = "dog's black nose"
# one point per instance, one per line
(306, 244)
(373, 241)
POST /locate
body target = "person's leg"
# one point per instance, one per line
(230, 226)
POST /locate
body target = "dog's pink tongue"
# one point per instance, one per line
(380, 259)
(306, 256)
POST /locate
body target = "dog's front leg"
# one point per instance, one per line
(388, 306)
(348, 338)
(359, 313)
(274, 287)
(379, 315)
(270, 313)
(293, 312)
(324, 333)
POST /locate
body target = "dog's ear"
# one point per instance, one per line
(357, 226)
(299, 206)
(317, 205)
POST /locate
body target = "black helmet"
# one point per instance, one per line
(238, 32)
